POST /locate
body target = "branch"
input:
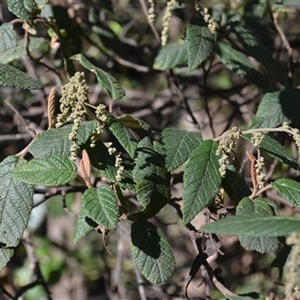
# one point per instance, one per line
(50, 192)
(151, 24)
(34, 269)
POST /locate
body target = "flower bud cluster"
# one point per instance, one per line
(166, 22)
(101, 115)
(226, 145)
(260, 177)
(74, 95)
(257, 138)
(118, 161)
(294, 132)
(151, 11)
(211, 24)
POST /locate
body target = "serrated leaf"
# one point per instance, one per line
(170, 56)
(152, 252)
(256, 49)
(123, 135)
(12, 77)
(238, 63)
(276, 150)
(178, 145)
(199, 42)
(83, 226)
(254, 225)
(283, 106)
(105, 163)
(151, 177)
(15, 203)
(201, 180)
(261, 207)
(101, 206)
(288, 189)
(5, 256)
(18, 8)
(19, 50)
(107, 82)
(53, 171)
(136, 123)
(56, 141)
(8, 37)
(235, 186)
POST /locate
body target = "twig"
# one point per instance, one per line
(205, 74)
(48, 193)
(26, 44)
(131, 65)
(151, 24)
(278, 199)
(174, 84)
(65, 207)
(5, 292)
(262, 190)
(271, 169)
(285, 42)
(119, 263)
(139, 280)
(14, 137)
(179, 212)
(19, 116)
(34, 267)
(126, 236)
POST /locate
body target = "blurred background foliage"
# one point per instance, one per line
(116, 36)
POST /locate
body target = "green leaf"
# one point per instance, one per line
(283, 106)
(53, 171)
(199, 41)
(256, 49)
(12, 77)
(136, 123)
(151, 177)
(19, 50)
(107, 82)
(276, 150)
(56, 141)
(123, 135)
(254, 17)
(234, 185)
(238, 63)
(18, 8)
(152, 252)
(170, 56)
(5, 256)
(83, 226)
(254, 225)
(260, 244)
(105, 163)
(15, 203)
(237, 297)
(201, 180)
(288, 189)
(8, 37)
(178, 145)
(101, 206)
